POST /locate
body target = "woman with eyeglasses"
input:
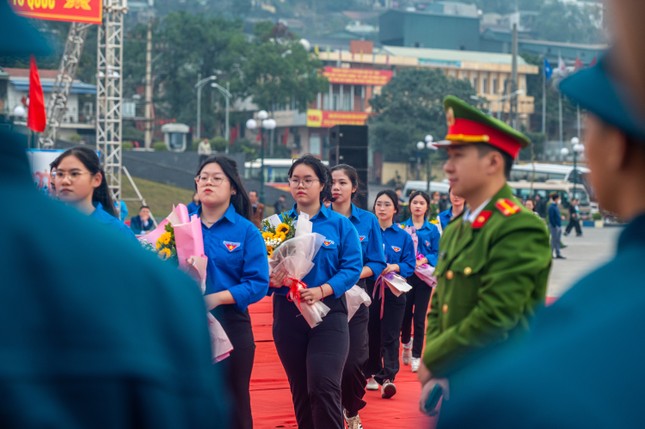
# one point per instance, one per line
(313, 358)
(344, 186)
(237, 272)
(387, 310)
(416, 306)
(79, 181)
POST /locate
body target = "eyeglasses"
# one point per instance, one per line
(72, 175)
(307, 183)
(217, 180)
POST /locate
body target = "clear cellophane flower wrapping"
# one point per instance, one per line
(293, 259)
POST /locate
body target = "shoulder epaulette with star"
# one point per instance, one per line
(481, 219)
(507, 207)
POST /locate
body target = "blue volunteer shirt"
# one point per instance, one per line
(371, 240)
(399, 249)
(237, 259)
(107, 219)
(339, 260)
(428, 245)
(445, 217)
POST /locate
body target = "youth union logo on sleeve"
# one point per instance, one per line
(361, 237)
(230, 245)
(396, 249)
(427, 243)
(327, 243)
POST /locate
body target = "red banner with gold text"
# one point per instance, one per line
(88, 11)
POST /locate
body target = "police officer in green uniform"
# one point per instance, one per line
(582, 366)
(494, 259)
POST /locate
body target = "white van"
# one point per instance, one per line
(421, 185)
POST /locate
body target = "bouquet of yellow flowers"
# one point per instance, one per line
(165, 245)
(275, 232)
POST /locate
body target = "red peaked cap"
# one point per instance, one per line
(467, 125)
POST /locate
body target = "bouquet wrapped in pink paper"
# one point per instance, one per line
(292, 260)
(179, 237)
(424, 271)
(397, 285)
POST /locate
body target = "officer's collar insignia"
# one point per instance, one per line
(396, 249)
(507, 207)
(327, 243)
(231, 245)
(361, 237)
(481, 219)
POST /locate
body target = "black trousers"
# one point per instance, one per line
(383, 361)
(313, 360)
(354, 382)
(573, 223)
(416, 309)
(238, 366)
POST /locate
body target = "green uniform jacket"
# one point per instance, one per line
(491, 275)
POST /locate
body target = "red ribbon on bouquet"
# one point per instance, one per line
(294, 286)
(380, 284)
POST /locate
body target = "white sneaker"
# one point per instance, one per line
(415, 364)
(353, 422)
(371, 384)
(407, 353)
(388, 389)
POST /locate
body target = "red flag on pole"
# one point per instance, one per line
(578, 64)
(36, 118)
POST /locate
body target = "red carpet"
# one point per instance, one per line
(271, 398)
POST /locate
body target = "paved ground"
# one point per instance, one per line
(583, 254)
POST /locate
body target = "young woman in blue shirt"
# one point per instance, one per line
(387, 310)
(344, 185)
(79, 180)
(416, 306)
(237, 272)
(313, 358)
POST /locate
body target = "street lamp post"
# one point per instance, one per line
(199, 85)
(503, 98)
(264, 123)
(577, 148)
(227, 95)
(427, 144)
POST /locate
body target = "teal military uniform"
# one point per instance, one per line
(491, 275)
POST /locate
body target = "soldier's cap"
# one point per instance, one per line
(468, 125)
(596, 90)
(18, 37)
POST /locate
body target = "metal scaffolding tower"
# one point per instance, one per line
(108, 92)
(57, 106)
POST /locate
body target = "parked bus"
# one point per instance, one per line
(539, 172)
(421, 185)
(524, 190)
(276, 171)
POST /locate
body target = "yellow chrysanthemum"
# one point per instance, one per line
(165, 238)
(165, 253)
(283, 228)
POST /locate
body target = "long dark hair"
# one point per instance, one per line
(352, 174)
(322, 172)
(240, 199)
(90, 160)
(424, 195)
(391, 195)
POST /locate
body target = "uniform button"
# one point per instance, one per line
(468, 271)
(444, 309)
(450, 274)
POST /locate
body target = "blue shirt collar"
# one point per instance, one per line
(353, 212)
(324, 212)
(230, 214)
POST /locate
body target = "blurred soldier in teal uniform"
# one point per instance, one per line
(583, 364)
(494, 259)
(95, 331)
